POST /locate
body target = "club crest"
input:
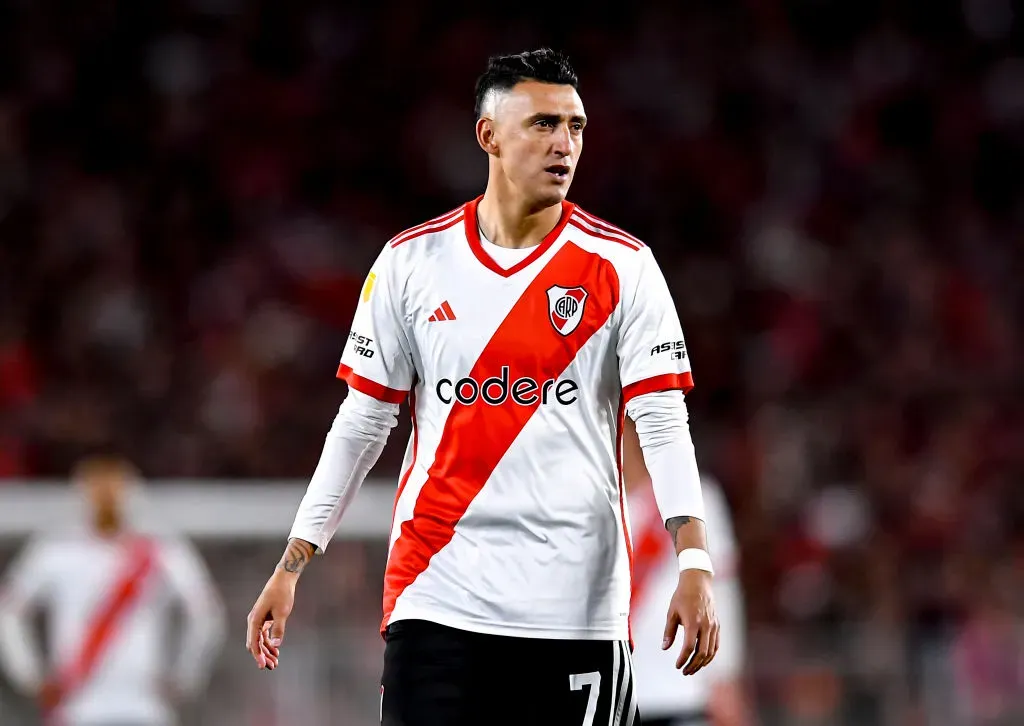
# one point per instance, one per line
(565, 307)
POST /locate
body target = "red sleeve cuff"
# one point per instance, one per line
(665, 382)
(370, 388)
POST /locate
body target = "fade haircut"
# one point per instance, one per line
(505, 71)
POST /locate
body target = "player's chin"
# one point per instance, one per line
(553, 193)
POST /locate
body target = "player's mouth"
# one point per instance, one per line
(558, 171)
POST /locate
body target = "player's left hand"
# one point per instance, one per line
(693, 607)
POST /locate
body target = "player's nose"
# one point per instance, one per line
(561, 144)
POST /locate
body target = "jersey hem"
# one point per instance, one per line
(513, 630)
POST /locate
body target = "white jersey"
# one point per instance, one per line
(509, 516)
(662, 690)
(109, 604)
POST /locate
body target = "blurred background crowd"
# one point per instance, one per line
(191, 192)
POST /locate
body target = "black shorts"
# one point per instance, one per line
(440, 676)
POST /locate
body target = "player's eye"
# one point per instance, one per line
(577, 127)
(545, 123)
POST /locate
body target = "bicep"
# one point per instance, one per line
(377, 357)
(651, 350)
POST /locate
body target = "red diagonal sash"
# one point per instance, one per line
(108, 618)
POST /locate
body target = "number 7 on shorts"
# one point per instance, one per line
(577, 681)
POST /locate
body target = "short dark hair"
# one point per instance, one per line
(505, 71)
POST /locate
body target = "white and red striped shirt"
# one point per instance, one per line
(108, 603)
(510, 516)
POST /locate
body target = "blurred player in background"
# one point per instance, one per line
(715, 696)
(523, 329)
(107, 594)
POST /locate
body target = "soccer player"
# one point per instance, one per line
(522, 330)
(716, 696)
(107, 593)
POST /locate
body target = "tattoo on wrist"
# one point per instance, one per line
(674, 524)
(296, 555)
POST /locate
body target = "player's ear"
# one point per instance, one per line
(485, 135)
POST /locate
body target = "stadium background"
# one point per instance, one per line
(191, 192)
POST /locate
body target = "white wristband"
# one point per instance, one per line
(695, 559)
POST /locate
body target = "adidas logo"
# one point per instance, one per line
(444, 312)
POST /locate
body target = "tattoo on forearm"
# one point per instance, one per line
(674, 524)
(296, 555)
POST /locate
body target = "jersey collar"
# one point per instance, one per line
(473, 237)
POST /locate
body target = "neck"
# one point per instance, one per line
(107, 527)
(510, 222)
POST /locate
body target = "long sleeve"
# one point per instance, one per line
(204, 626)
(353, 446)
(24, 587)
(662, 427)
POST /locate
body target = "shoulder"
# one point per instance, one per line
(56, 545)
(603, 234)
(409, 247)
(624, 250)
(431, 229)
(45, 550)
(175, 553)
(169, 545)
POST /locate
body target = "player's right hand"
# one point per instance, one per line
(267, 619)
